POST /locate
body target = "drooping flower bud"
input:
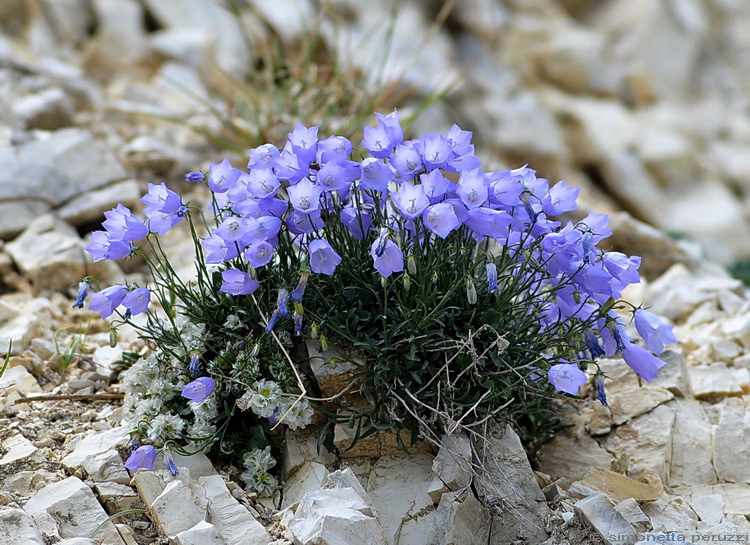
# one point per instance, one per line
(471, 291)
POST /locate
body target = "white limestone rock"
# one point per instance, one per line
(452, 465)
(309, 477)
(51, 254)
(16, 448)
(301, 446)
(507, 474)
(460, 519)
(75, 510)
(18, 328)
(117, 497)
(97, 454)
(232, 521)
(90, 206)
(716, 380)
(203, 533)
(177, 508)
(16, 526)
(405, 518)
(731, 442)
(709, 508)
(16, 381)
(692, 446)
(599, 513)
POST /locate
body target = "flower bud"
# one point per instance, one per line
(314, 331)
(255, 350)
(323, 343)
(112, 337)
(407, 282)
(471, 291)
(383, 281)
(411, 265)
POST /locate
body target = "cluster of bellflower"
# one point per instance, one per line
(405, 197)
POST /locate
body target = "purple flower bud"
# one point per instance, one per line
(282, 302)
(83, 291)
(194, 366)
(592, 343)
(601, 394)
(170, 463)
(491, 277)
(199, 389)
(566, 377)
(299, 291)
(272, 321)
(195, 177)
(297, 318)
(141, 458)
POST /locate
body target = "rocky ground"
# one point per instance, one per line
(641, 103)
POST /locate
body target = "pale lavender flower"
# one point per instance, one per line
(199, 389)
(389, 260)
(441, 219)
(222, 176)
(333, 177)
(137, 300)
(406, 160)
(304, 142)
(357, 221)
(122, 225)
(435, 185)
(436, 150)
(642, 362)
(472, 188)
(259, 253)
(103, 247)
(654, 331)
(323, 258)
(410, 200)
(305, 196)
(195, 177)
(566, 377)
(392, 126)
(375, 174)
(377, 142)
(237, 282)
(262, 183)
(263, 157)
(106, 301)
(335, 149)
(141, 458)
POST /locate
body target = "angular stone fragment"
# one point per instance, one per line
(619, 487)
(176, 509)
(631, 511)
(75, 510)
(203, 533)
(309, 477)
(16, 447)
(17, 527)
(507, 477)
(233, 521)
(452, 464)
(460, 519)
(716, 380)
(599, 513)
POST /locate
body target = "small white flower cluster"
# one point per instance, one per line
(154, 381)
(256, 477)
(267, 400)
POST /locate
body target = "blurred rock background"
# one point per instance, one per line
(643, 103)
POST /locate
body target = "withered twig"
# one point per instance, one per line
(69, 397)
